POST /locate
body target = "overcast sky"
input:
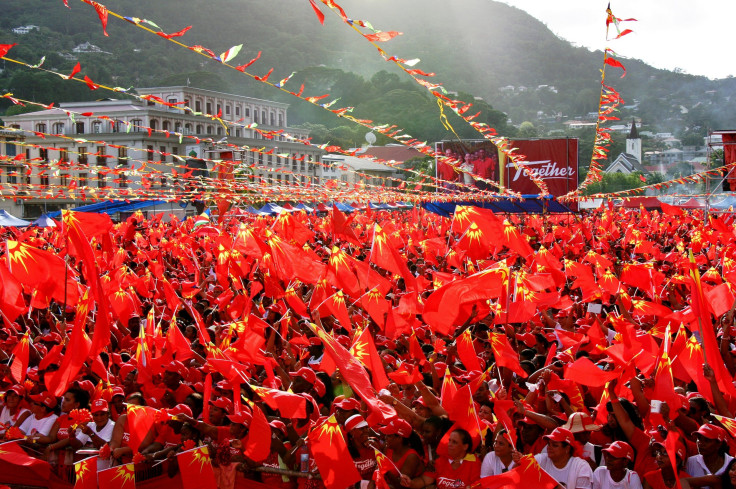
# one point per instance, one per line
(669, 34)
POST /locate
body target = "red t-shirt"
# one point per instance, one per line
(645, 461)
(655, 480)
(445, 477)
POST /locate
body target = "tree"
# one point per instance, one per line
(527, 130)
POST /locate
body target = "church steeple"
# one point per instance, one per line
(634, 134)
(633, 142)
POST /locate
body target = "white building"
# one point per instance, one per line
(25, 29)
(352, 170)
(82, 141)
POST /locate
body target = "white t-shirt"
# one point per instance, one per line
(696, 466)
(105, 433)
(7, 419)
(492, 465)
(602, 480)
(33, 426)
(575, 475)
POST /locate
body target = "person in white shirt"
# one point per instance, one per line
(499, 460)
(97, 432)
(42, 407)
(12, 413)
(712, 457)
(616, 474)
(561, 462)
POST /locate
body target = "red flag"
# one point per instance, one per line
(177, 343)
(340, 226)
(12, 453)
(120, 477)
(585, 372)
(527, 474)
(101, 13)
(504, 354)
(20, 359)
(258, 446)
(335, 465)
(448, 390)
(466, 351)
(12, 304)
(140, 421)
(86, 472)
(353, 372)
(38, 269)
(76, 353)
(364, 349)
(196, 469)
(289, 405)
(664, 386)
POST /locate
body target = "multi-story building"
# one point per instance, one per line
(81, 141)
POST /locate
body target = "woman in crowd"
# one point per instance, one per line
(616, 474)
(500, 459)
(459, 469)
(562, 461)
(98, 431)
(13, 413)
(361, 447)
(404, 448)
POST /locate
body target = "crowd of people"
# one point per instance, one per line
(449, 351)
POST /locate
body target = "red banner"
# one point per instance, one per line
(554, 160)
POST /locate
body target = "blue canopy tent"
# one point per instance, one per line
(344, 207)
(44, 222)
(304, 207)
(725, 204)
(7, 220)
(112, 207)
(271, 209)
(529, 204)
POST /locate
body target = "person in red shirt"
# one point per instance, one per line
(664, 476)
(176, 391)
(458, 470)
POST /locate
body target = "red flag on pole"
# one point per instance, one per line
(330, 452)
(196, 469)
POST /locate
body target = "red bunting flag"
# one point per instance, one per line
(86, 473)
(120, 477)
(20, 359)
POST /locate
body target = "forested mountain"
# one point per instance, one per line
(475, 47)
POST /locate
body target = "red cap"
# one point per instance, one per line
(178, 368)
(712, 432)
(680, 451)
(354, 422)
(314, 341)
(18, 389)
(397, 426)
(180, 409)
(306, 373)
(223, 403)
(51, 337)
(118, 391)
(243, 417)
(86, 385)
(348, 404)
(98, 405)
(620, 449)
(279, 425)
(319, 388)
(44, 398)
(561, 434)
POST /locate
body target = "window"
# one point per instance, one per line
(162, 180)
(137, 125)
(123, 181)
(199, 129)
(238, 133)
(149, 150)
(64, 180)
(186, 104)
(123, 156)
(209, 130)
(260, 159)
(281, 119)
(162, 150)
(101, 160)
(198, 106)
(187, 129)
(255, 116)
(177, 127)
(82, 155)
(58, 128)
(227, 110)
(264, 120)
(301, 165)
(172, 101)
(293, 165)
(101, 181)
(12, 172)
(96, 127)
(79, 127)
(154, 124)
(219, 109)
(40, 127)
(44, 180)
(118, 126)
(10, 149)
(63, 156)
(270, 160)
(237, 110)
(273, 119)
(209, 108)
(247, 112)
(166, 126)
(83, 180)
(219, 130)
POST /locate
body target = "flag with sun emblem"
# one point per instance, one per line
(120, 477)
(335, 465)
(196, 469)
(86, 472)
